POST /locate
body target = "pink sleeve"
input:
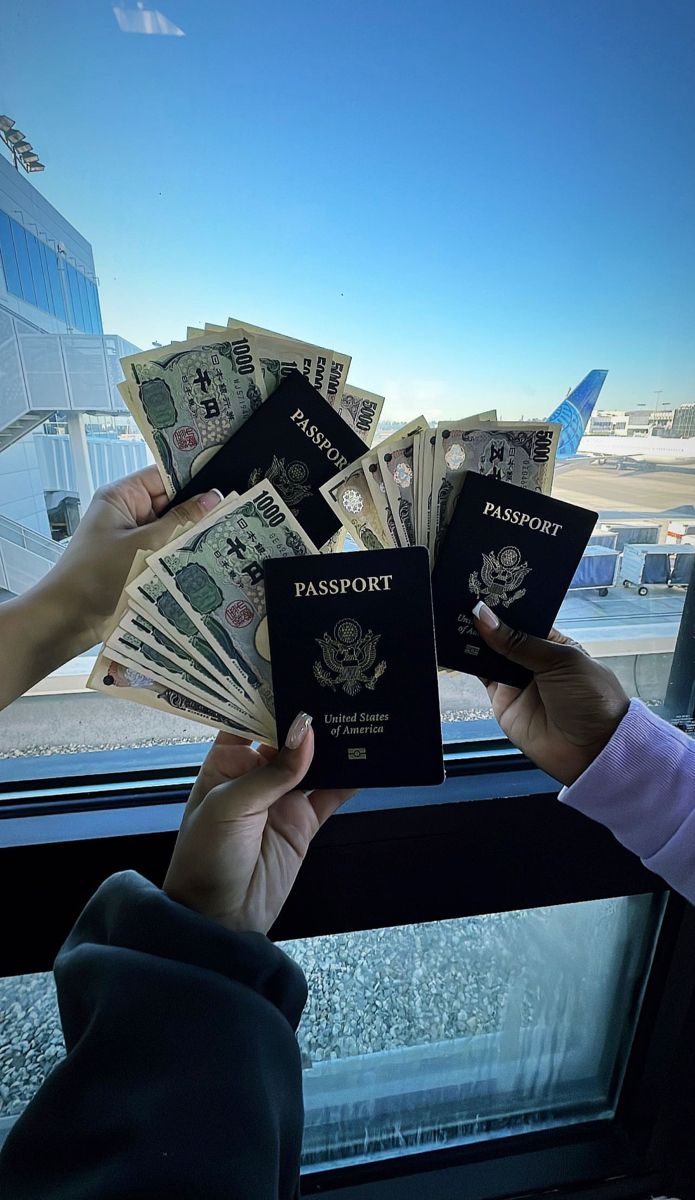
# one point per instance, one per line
(642, 786)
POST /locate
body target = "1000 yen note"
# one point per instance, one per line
(148, 595)
(189, 398)
(326, 369)
(349, 497)
(215, 571)
(152, 646)
(129, 650)
(127, 683)
(277, 355)
(519, 452)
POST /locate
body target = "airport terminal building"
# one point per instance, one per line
(54, 357)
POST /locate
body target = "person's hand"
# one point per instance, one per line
(123, 517)
(566, 715)
(246, 829)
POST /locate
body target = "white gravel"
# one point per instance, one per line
(368, 991)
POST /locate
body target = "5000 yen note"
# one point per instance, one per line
(349, 497)
(361, 409)
(215, 571)
(375, 482)
(189, 398)
(440, 468)
(517, 452)
(397, 469)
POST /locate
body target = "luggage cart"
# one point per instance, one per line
(604, 537)
(644, 534)
(663, 564)
(597, 569)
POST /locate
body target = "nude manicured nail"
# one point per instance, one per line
(486, 616)
(298, 731)
(210, 500)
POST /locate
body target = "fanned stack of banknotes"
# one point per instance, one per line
(189, 634)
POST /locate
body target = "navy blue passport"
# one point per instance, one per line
(513, 548)
(297, 442)
(352, 643)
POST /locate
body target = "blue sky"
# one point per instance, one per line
(478, 201)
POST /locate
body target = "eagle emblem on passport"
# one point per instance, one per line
(289, 479)
(501, 576)
(348, 658)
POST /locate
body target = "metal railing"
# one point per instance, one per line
(12, 531)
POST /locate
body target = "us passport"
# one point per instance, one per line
(352, 643)
(297, 442)
(516, 550)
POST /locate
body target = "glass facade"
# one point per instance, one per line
(434, 1034)
(35, 273)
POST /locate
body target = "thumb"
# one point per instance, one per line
(535, 653)
(260, 788)
(159, 532)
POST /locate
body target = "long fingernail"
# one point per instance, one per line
(298, 731)
(210, 500)
(486, 616)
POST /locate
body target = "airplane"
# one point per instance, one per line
(622, 452)
(574, 412)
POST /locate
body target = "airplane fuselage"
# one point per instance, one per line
(655, 451)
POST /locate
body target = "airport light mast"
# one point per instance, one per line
(22, 151)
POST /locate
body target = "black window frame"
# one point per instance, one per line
(529, 850)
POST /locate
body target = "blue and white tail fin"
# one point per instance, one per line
(574, 412)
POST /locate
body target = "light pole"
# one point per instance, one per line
(21, 150)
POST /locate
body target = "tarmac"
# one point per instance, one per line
(635, 634)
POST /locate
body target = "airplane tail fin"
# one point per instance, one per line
(574, 412)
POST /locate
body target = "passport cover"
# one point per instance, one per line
(513, 548)
(295, 440)
(352, 643)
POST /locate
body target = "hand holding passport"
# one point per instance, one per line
(241, 622)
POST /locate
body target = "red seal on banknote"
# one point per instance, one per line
(239, 614)
(185, 438)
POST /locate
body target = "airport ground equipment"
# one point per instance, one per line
(604, 537)
(598, 569)
(663, 564)
(646, 533)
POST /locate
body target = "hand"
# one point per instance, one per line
(123, 517)
(566, 715)
(246, 829)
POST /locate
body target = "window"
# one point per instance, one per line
(19, 237)
(37, 271)
(73, 281)
(9, 257)
(32, 272)
(55, 283)
(467, 1030)
(434, 1034)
